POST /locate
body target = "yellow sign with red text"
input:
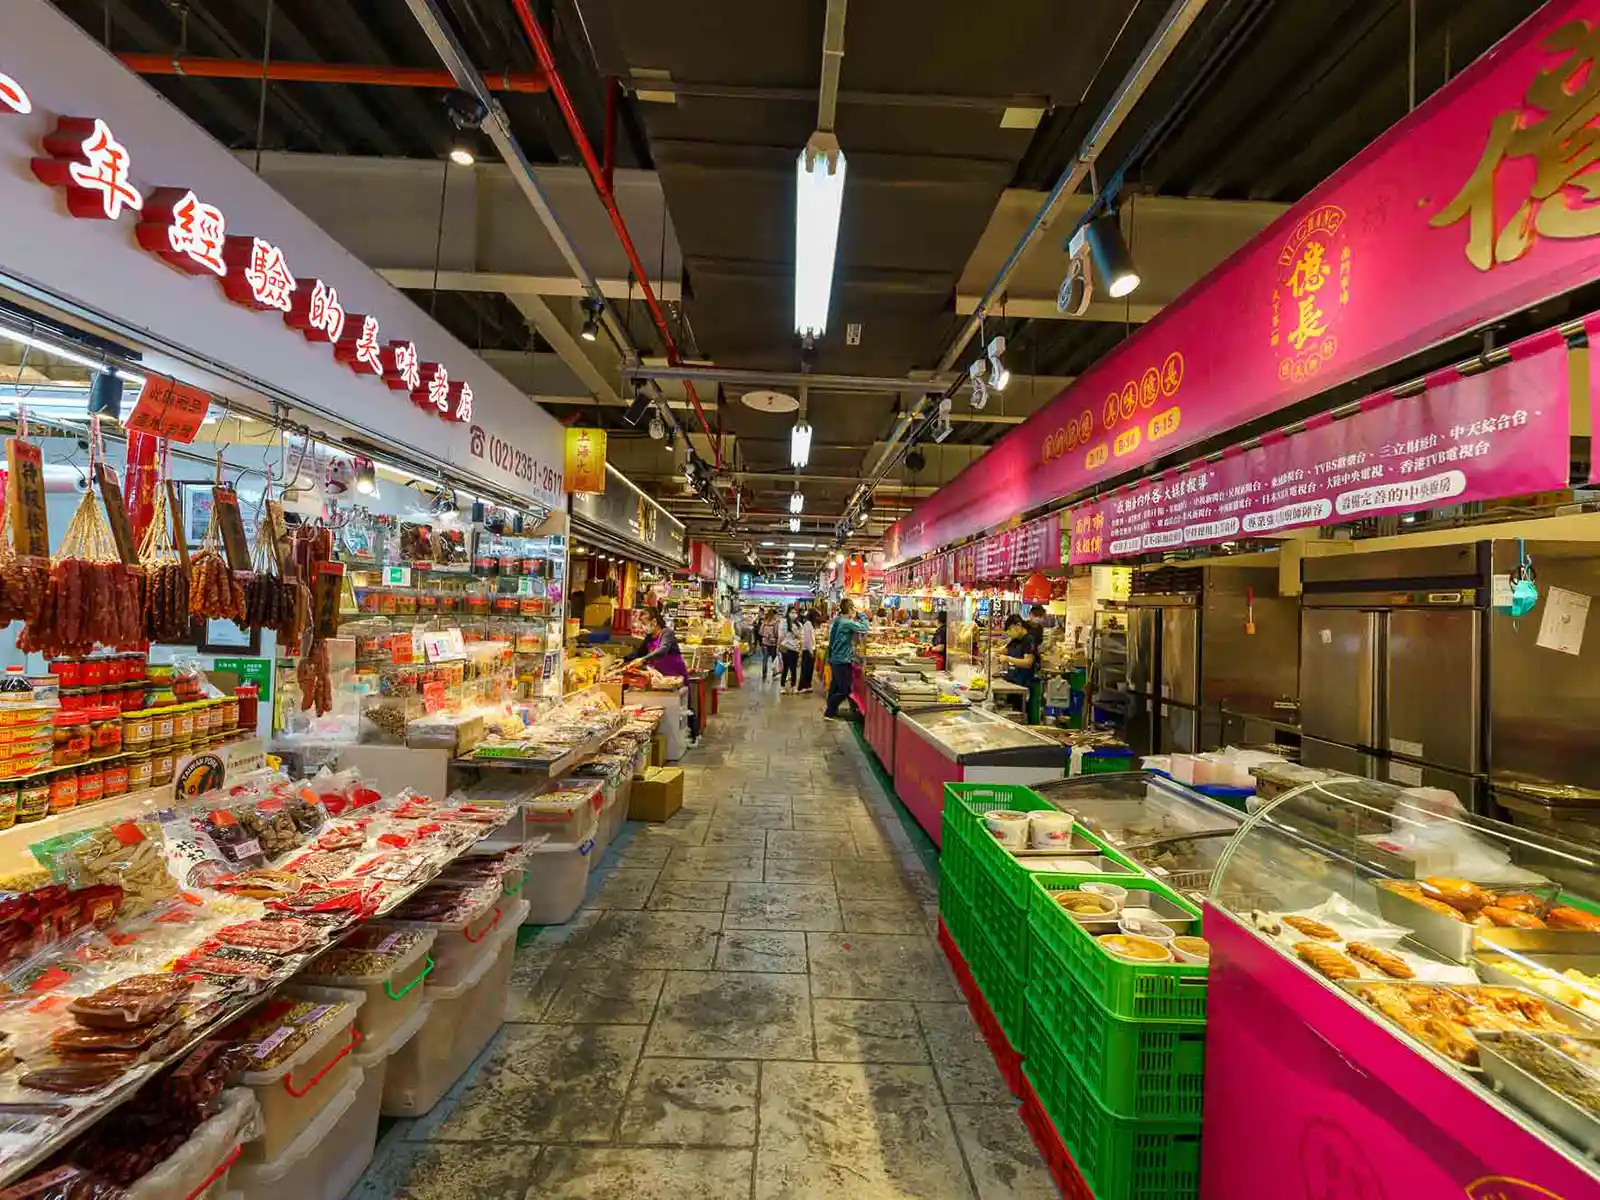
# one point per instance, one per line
(586, 460)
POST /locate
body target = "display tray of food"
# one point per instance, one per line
(1340, 942)
(1570, 979)
(1447, 1017)
(1449, 914)
(1554, 1077)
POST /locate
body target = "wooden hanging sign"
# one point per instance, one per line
(30, 524)
(105, 477)
(180, 539)
(230, 524)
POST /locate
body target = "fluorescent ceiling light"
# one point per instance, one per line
(71, 356)
(819, 196)
(769, 543)
(794, 527)
(800, 444)
(797, 502)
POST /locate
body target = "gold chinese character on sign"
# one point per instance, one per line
(1311, 323)
(1310, 272)
(1554, 128)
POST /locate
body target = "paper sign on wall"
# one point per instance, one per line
(1565, 614)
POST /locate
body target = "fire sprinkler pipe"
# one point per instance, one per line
(317, 72)
(558, 89)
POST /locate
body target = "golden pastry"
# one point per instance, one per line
(1519, 902)
(1389, 963)
(1312, 928)
(1327, 960)
(1457, 893)
(1511, 918)
(1573, 918)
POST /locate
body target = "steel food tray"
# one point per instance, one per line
(1178, 920)
(1577, 1124)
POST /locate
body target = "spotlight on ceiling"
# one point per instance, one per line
(797, 501)
(800, 444)
(461, 154)
(819, 196)
(658, 427)
(366, 477)
(641, 404)
(999, 376)
(915, 459)
(1111, 256)
(465, 110)
(980, 389)
(591, 320)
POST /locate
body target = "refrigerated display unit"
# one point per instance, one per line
(970, 745)
(1392, 667)
(880, 719)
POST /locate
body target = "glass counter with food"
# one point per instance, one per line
(1417, 991)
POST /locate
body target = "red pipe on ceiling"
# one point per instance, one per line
(597, 176)
(309, 72)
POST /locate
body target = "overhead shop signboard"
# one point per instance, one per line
(1502, 432)
(635, 523)
(1471, 207)
(120, 208)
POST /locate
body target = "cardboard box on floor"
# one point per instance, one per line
(657, 796)
(658, 750)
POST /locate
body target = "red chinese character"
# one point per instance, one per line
(183, 231)
(435, 392)
(358, 348)
(12, 95)
(259, 277)
(316, 311)
(92, 166)
(401, 368)
(460, 402)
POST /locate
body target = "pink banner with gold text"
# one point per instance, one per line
(1471, 207)
(1502, 432)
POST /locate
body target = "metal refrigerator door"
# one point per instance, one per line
(1180, 655)
(1180, 729)
(1432, 684)
(1144, 626)
(1338, 675)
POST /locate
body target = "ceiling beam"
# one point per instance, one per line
(793, 379)
(515, 284)
(554, 332)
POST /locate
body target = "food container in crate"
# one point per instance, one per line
(462, 1018)
(296, 1049)
(389, 966)
(201, 1166)
(460, 915)
(327, 1157)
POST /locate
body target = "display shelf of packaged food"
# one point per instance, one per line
(14, 1164)
(1434, 925)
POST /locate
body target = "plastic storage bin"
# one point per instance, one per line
(462, 1018)
(565, 815)
(456, 944)
(328, 1156)
(201, 1166)
(294, 1092)
(558, 877)
(395, 991)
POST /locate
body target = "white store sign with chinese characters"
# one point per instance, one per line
(122, 209)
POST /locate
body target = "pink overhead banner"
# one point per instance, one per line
(1503, 432)
(1477, 204)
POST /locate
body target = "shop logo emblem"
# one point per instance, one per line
(1310, 293)
(12, 95)
(1504, 1187)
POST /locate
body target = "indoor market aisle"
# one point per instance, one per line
(751, 1005)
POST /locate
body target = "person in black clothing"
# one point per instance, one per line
(1036, 619)
(1021, 657)
(941, 638)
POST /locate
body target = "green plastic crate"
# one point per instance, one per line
(1004, 989)
(1159, 992)
(1097, 762)
(1137, 1069)
(957, 859)
(1120, 1158)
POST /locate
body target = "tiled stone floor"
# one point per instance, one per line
(750, 1005)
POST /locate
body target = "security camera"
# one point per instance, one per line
(465, 110)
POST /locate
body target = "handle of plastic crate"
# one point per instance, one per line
(401, 994)
(512, 891)
(484, 932)
(233, 1157)
(297, 1093)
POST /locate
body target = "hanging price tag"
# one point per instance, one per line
(30, 527)
(397, 576)
(230, 523)
(326, 587)
(180, 540)
(117, 513)
(279, 532)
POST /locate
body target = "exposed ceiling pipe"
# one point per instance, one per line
(318, 72)
(558, 89)
(795, 379)
(832, 64)
(1174, 25)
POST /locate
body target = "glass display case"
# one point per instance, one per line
(1175, 833)
(1451, 964)
(972, 731)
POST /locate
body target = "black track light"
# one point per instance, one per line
(1111, 256)
(591, 320)
(640, 406)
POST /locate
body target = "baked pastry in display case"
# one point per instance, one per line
(1431, 977)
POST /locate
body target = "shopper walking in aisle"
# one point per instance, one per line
(769, 640)
(789, 647)
(842, 656)
(808, 648)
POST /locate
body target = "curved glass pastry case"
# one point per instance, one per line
(1418, 991)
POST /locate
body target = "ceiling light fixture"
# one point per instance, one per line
(980, 389)
(61, 352)
(591, 321)
(819, 197)
(794, 524)
(366, 476)
(1111, 256)
(800, 444)
(797, 501)
(641, 404)
(461, 154)
(999, 376)
(658, 428)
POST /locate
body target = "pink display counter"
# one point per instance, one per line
(1307, 1095)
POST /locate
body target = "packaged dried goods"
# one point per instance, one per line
(139, 1037)
(278, 1028)
(131, 1003)
(73, 1079)
(64, 1183)
(261, 884)
(278, 937)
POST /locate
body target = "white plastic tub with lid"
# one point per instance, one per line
(462, 1019)
(457, 943)
(292, 1093)
(201, 1165)
(394, 993)
(326, 1158)
(558, 878)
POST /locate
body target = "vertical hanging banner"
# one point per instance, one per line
(586, 460)
(1501, 432)
(1472, 206)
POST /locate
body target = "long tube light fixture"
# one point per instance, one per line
(71, 356)
(819, 197)
(800, 444)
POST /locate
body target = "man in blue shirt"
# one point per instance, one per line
(841, 656)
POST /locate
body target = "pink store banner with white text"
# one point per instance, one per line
(1473, 206)
(1501, 432)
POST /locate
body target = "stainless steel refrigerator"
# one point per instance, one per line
(1164, 673)
(1392, 667)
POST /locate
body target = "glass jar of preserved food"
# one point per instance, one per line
(63, 791)
(91, 784)
(70, 738)
(139, 772)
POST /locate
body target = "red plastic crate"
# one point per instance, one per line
(1050, 1146)
(1007, 1057)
